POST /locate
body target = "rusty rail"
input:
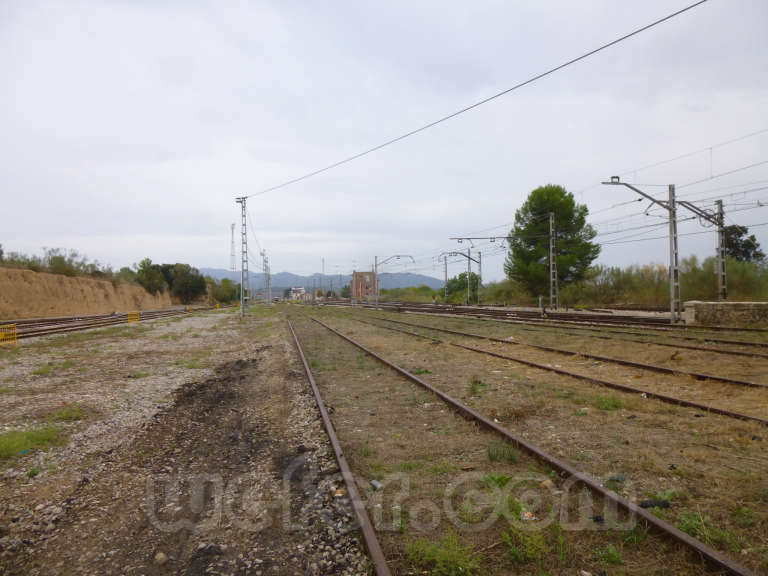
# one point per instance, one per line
(369, 535)
(608, 384)
(710, 554)
(666, 330)
(51, 326)
(641, 365)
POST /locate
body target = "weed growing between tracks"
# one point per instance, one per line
(647, 447)
(454, 497)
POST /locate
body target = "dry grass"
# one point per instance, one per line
(389, 426)
(713, 462)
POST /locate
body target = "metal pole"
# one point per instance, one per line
(479, 275)
(553, 296)
(376, 279)
(469, 274)
(232, 260)
(244, 290)
(722, 283)
(674, 269)
(445, 285)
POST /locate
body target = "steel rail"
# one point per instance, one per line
(660, 325)
(609, 359)
(369, 534)
(606, 383)
(528, 326)
(76, 324)
(710, 554)
(594, 328)
(581, 326)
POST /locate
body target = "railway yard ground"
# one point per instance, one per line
(193, 444)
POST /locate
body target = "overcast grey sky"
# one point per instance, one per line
(128, 128)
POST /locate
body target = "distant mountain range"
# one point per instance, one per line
(283, 280)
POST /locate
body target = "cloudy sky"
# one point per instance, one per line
(129, 127)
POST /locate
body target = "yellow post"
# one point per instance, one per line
(217, 306)
(133, 317)
(8, 334)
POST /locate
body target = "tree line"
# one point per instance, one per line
(583, 283)
(182, 281)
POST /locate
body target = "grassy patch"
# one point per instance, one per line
(410, 465)
(67, 413)
(501, 452)
(637, 535)
(18, 442)
(743, 516)
(44, 370)
(67, 364)
(32, 472)
(192, 364)
(5, 390)
(698, 525)
(525, 546)
(610, 555)
(447, 557)
(138, 375)
(495, 480)
(442, 468)
(419, 371)
(608, 403)
(477, 386)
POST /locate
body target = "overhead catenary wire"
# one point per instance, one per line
(479, 103)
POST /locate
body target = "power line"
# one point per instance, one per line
(699, 151)
(724, 173)
(686, 234)
(479, 103)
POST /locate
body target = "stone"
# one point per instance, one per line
(160, 558)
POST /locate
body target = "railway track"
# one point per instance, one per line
(558, 318)
(601, 328)
(599, 357)
(35, 327)
(366, 528)
(549, 368)
(715, 559)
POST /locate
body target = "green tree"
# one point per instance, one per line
(528, 257)
(741, 247)
(150, 277)
(345, 291)
(456, 289)
(187, 283)
(125, 274)
(287, 294)
(226, 291)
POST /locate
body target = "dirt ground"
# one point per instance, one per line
(707, 463)
(189, 446)
(435, 467)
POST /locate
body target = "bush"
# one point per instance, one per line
(150, 276)
(224, 292)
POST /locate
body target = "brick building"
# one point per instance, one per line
(363, 285)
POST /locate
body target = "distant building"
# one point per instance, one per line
(363, 285)
(298, 293)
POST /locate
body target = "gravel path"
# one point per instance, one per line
(232, 475)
